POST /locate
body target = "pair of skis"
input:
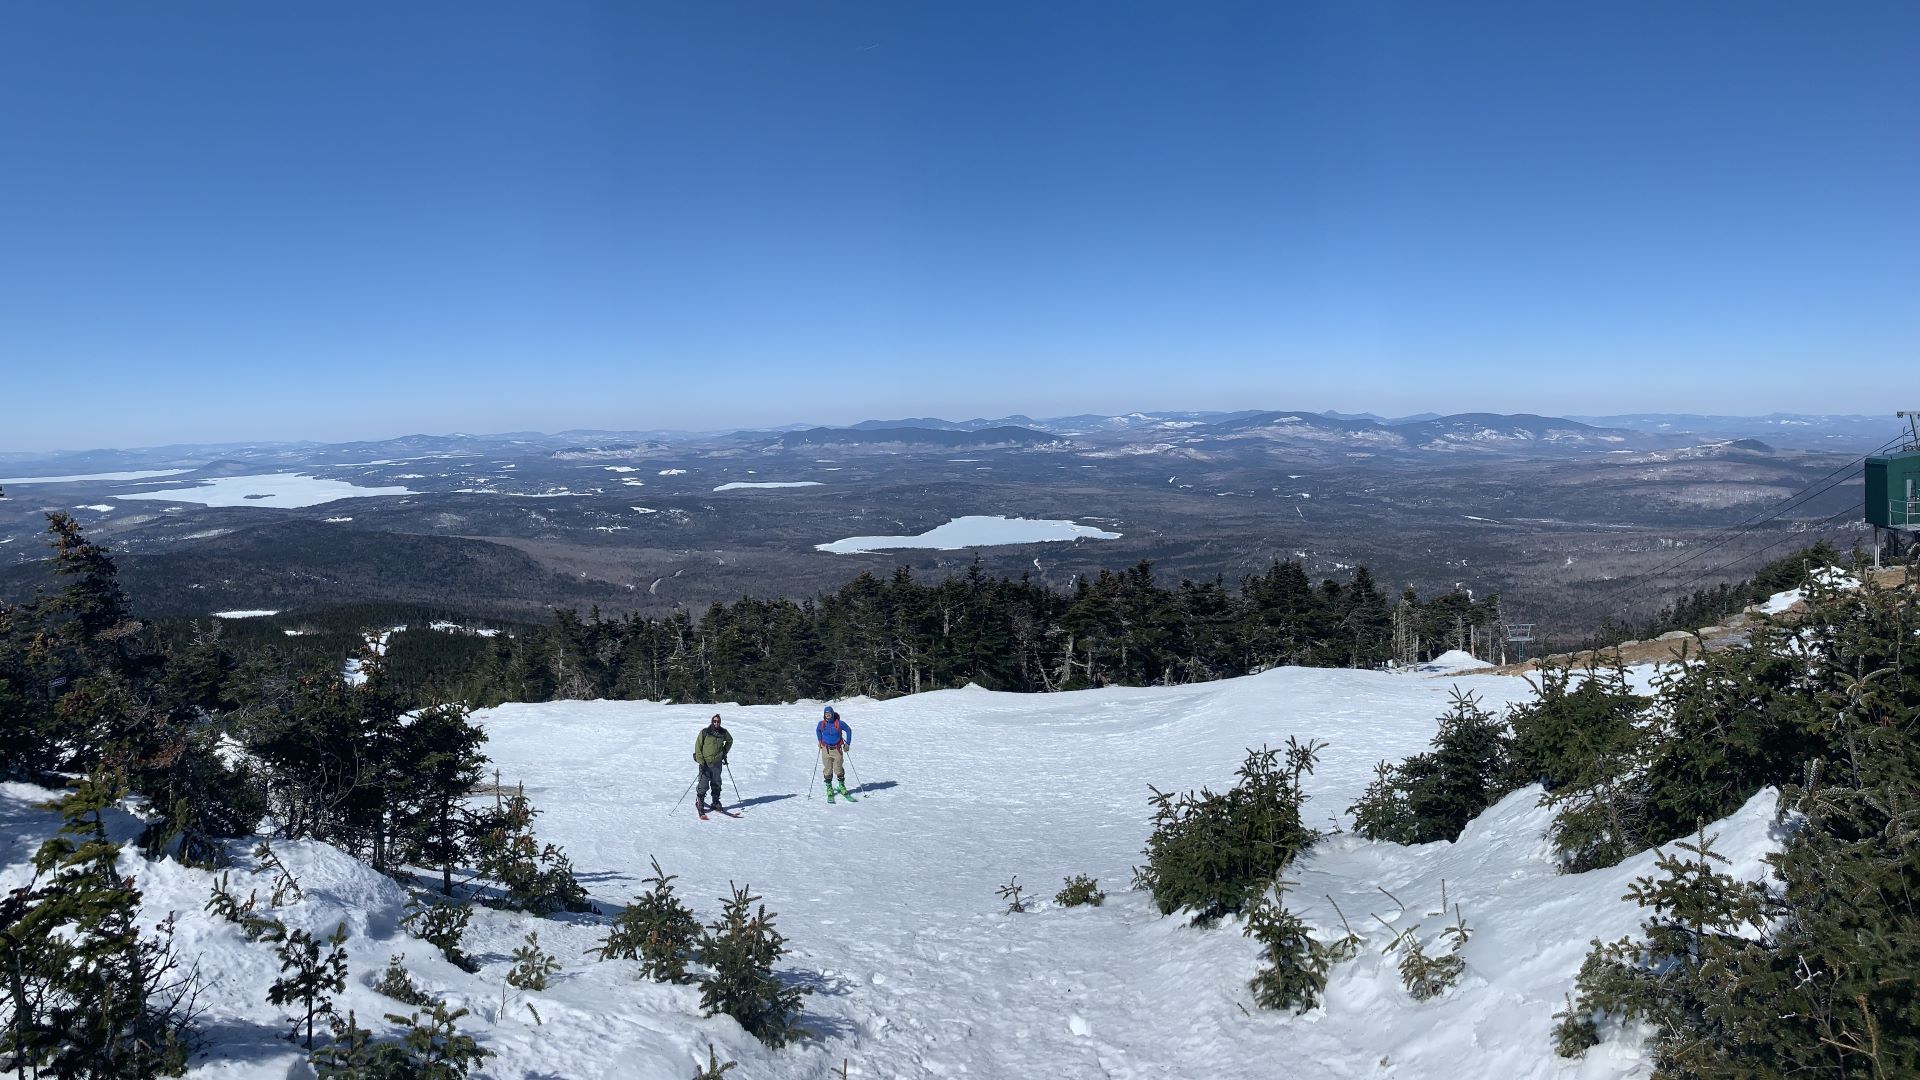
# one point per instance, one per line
(729, 813)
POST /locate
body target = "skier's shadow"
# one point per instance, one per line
(758, 799)
(877, 785)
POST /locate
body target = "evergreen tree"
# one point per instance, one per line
(1213, 854)
(739, 951)
(1432, 796)
(86, 995)
(657, 930)
(308, 979)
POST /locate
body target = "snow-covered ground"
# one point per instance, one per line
(889, 907)
(973, 531)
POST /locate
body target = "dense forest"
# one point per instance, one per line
(898, 636)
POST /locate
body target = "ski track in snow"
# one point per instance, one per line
(888, 905)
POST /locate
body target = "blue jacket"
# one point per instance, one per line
(833, 731)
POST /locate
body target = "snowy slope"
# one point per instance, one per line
(889, 904)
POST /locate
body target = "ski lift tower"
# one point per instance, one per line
(1893, 491)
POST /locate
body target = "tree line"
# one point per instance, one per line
(884, 637)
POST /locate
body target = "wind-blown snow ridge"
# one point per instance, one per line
(889, 910)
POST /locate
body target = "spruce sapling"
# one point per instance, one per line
(1295, 972)
(1080, 889)
(656, 929)
(532, 967)
(440, 925)
(714, 1070)
(739, 951)
(285, 887)
(1010, 892)
(223, 904)
(435, 1049)
(397, 983)
(1214, 854)
(533, 877)
(307, 979)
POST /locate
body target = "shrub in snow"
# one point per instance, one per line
(1576, 728)
(397, 983)
(1080, 889)
(224, 905)
(739, 952)
(1293, 974)
(1811, 975)
(307, 979)
(442, 926)
(84, 993)
(1730, 724)
(715, 1070)
(532, 966)
(1574, 1032)
(1011, 893)
(657, 930)
(1215, 853)
(1690, 939)
(429, 1049)
(532, 877)
(1432, 796)
(285, 887)
(1425, 975)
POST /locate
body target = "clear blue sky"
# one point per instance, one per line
(327, 220)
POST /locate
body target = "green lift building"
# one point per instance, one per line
(1893, 489)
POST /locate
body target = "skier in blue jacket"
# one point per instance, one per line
(836, 738)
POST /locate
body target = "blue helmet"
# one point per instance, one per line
(826, 712)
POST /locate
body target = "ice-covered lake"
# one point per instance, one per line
(79, 478)
(974, 531)
(742, 485)
(282, 490)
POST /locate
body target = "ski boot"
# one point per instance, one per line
(829, 793)
(843, 791)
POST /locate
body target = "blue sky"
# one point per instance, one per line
(304, 220)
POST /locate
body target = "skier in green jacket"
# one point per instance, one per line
(710, 754)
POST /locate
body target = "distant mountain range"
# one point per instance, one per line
(1363, 431)
(1004, 435)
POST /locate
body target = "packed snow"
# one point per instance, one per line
(888, 905)
(81, 478)
(741, 485)
(973, 531)
(285, 491)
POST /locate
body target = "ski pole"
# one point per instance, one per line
(683, 795)
(848, 758)
(736, 783)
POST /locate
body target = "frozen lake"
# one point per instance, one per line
(974, 531)
(738, 485)
(283, 490)
(85, 477)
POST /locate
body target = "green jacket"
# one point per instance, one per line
(712, 745)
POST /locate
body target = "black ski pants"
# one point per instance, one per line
(709, 777)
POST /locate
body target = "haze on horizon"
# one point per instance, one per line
(240, 223)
